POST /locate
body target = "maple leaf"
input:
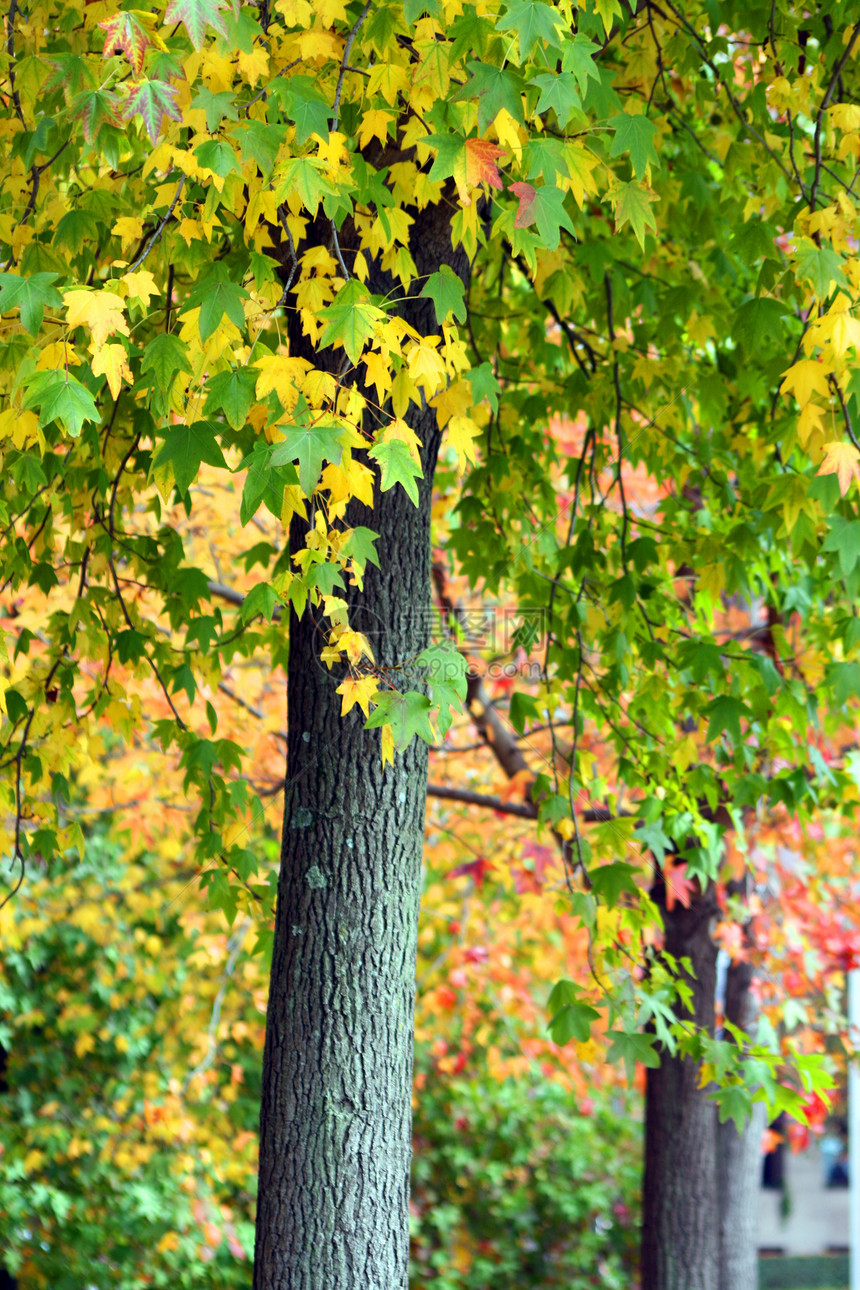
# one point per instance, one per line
(195, 16)
(128, 33)
(357, 690)
(525, 211)
(112, 361)
(153, 101)
(679, 888)
(478, 167)
(806, 378)
(843, 460)
(101, 311)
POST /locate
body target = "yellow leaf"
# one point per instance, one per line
(806, 378)
(129, 230)
(329, 11)
(426, 367)
(387, 745)
(843, 460)
(359, 692)
(387, 80)
(59, 354)
(112, 361)
(374, 125)
(810, 424)
(101, 311)
(282, 374)
(255, 65)
(461, 434)
(456, 401)
(141, 286)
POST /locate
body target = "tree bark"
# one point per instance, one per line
(335, 1125)
(738, 1159)
(680, 1246)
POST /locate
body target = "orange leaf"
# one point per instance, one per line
(843, 460)
(477, 166)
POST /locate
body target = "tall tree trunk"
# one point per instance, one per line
(738, 1159)
(335, 1124)
(680, 1246)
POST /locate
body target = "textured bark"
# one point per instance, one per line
(738, 1155)
(680, 1246)
(335, 1125)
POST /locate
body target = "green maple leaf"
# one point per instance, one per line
(548, 212)
(218, 107)
(217, 156)
(260, 142)
(397, 466)
(758, 319)
(307, 108)
(634, 135)
(195, 16)
(31, 295)
(264, 483)
(302, 176)
(60, 397)
(408, 714)
(844, 538)
(231, 393)
(578, 57)
(821, 266)
(533, 22)
(446, 290)
(446, 676)
(350, 318)
(725, 714)
(186, 447)
(164, 356)
(494, 88)
(153, 101)
(359, 544)
(217, 295)
(632, 1048)
(572, 1021)
(559, 94)
(632, 205)
(310, 446)
(263, 600)
(94, 108)
(610, 880)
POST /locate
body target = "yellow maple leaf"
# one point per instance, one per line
(129, 230)
(101, 311)
(282, 374)
(374, 125)
(359, 692)
(112, 361)
(255, 65)
(806, 378)
(461, 434)
(843, 460)
(810, 424)
(387, 745)
(456, 401)
(141, 286)
(426, 366)
(388, 80)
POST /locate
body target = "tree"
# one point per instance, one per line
(328, 239)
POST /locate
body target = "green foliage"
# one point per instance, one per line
(513, 1186)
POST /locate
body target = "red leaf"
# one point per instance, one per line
(525, 211)
(679, 887)
(477, 870)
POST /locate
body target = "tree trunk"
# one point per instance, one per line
(336, 1122)
(680, 1246)
(738, 1159)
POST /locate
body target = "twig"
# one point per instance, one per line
(159, 228)
(234, 946)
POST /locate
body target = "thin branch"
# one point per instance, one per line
(159, 228)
